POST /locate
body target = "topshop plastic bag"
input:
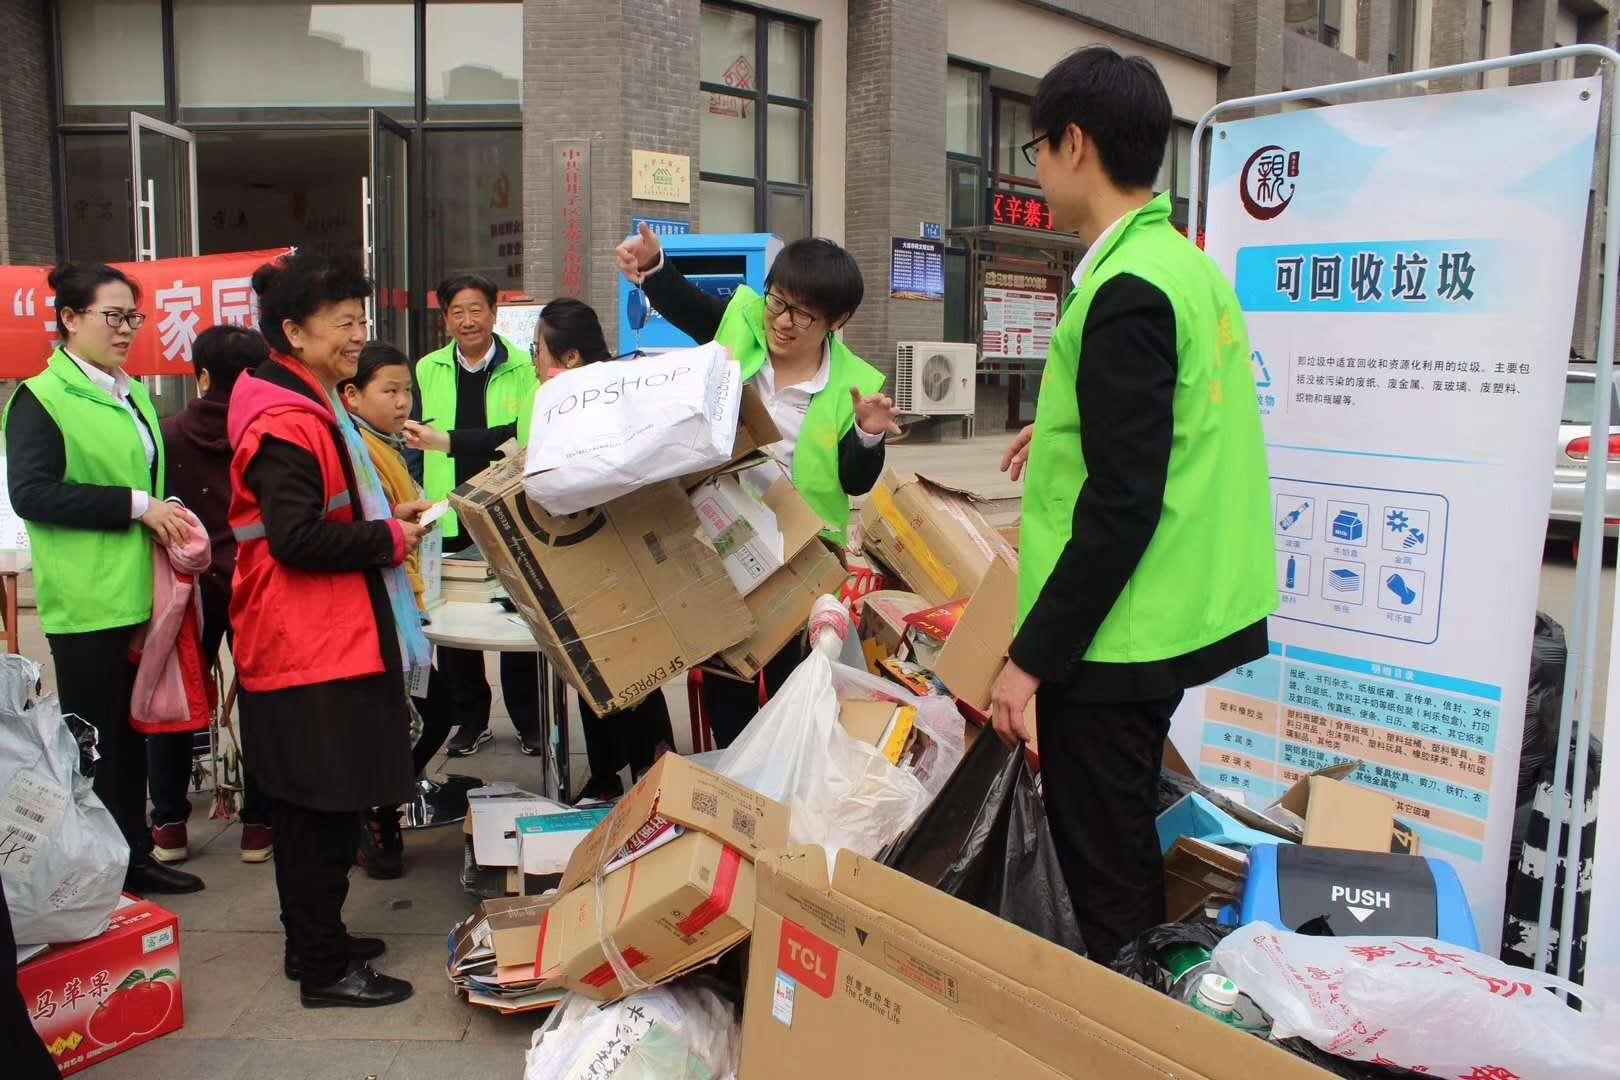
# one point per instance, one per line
(62, 858)
(843, 793)
(1420, 1004)
(684, 1031)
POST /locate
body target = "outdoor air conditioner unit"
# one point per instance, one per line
(935, 378)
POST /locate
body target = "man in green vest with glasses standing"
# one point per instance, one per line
(826, 401)
(475, 393)
(1147, 562)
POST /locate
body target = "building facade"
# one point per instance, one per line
(859, 120)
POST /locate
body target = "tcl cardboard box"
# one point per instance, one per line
(98, 998)
(679, 883)
(621, 598)
(875, 975)
(780, 607)
(934, 538)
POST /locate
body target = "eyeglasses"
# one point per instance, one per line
(116, 318)
(1028, 149)
(775, 305)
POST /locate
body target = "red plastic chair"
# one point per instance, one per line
(698, 709)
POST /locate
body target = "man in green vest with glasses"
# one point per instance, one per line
(826, 401)
(475, 393)
(1147, 562)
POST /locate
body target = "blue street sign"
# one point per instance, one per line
(661, 226)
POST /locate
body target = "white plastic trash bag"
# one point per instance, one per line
(681, 1032)
(62, 858)
(841, 792)
(604, 430)
(1420, 1004)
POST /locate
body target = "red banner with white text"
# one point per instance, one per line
(180, 297)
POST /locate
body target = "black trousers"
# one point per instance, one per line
(438, 717)
(628, 738)
(469, 690)
(1100, 772)
(732, 703)
(314, 850)
(31, 1061)
(94, 681)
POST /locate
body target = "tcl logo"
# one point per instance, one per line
(811, 962)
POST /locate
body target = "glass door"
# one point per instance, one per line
(163, 178)
(386, 217)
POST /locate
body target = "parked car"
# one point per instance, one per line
(1574, 447)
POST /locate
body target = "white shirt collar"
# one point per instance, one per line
(1093, 251)
(816, 383)
(116, 384)
(481, 364)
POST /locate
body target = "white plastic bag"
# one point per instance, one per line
(604, 430)
(1421, 1004)
(684, 1031)
(62, 858)
(842, 792)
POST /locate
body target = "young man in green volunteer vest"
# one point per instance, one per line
(1147, 564)
(85, 472)
(474, 395)
(826, 401)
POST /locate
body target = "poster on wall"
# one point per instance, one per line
(1408, 291)
(916, 269)
(1020, 310)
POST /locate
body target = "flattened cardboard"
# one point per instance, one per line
(781, 606)
(883, 616)
(621, 598)
(866, 721)
(873, 974)
(1198, 875)
(933, 538)
(514, 927)
(677, 790)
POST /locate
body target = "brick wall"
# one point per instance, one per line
(623, 74)
(27, 187)
(1199, 28)
(1257, 52)
(896, 160)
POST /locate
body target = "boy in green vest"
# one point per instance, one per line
(1146, 562)
(826, 401)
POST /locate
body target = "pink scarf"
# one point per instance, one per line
(173, 692)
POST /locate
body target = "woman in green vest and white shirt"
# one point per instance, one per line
(86, 475)
(826, 401)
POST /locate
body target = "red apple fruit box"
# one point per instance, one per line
(98, 998)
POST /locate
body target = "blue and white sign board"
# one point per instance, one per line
(661, 226)
(931, 230)
(1408, 290)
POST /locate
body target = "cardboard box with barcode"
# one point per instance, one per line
(621, 598)
(932, 536)
(755, 537)
(678, 889)
(866, 972)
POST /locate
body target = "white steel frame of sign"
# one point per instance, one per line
(1575, 720)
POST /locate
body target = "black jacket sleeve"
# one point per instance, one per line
(1126, 389)
(480, 443)
(859, 466)
(692, 311)
(37, 461)
(286, 479)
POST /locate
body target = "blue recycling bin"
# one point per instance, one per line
(716, 263)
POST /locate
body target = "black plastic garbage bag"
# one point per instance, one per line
(986, 840)
(1141, 960)
(1542, 704)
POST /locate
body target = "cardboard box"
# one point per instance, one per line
(98, 998)
(621, 598)
(683, 842)
(883, 617)
(973, 654)
(545, 842)
(883, 724)
(1199, 875)
(781, 606)
(754, 537)
(1010, 533)
(875, 975)
(935, 539)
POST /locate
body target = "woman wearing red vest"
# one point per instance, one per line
(326, 626)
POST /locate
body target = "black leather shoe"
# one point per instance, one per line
(154, 877)
(360, 948)
(360, 988)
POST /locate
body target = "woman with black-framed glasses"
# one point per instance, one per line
(86, 472)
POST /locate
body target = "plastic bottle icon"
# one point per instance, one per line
(1403, 592)
(1288, 576)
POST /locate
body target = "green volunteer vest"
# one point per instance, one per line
(508, 398)
(831, 415)
(94, 579)
(1209, 570)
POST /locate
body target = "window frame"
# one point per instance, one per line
(1328, 31)
(957, 161)
(1402, 36)
(760, 183)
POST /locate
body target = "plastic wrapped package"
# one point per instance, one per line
(1143, 959)
(684, 1031)
(1420, 1004)
(62, 858)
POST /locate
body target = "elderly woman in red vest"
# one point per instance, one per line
(326, 624)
